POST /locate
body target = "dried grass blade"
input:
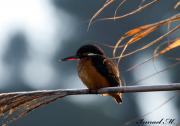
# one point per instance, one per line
(106, 4)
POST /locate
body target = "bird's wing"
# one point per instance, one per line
(108, 69)
(113, 71)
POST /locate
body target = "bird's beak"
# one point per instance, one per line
(70, 58)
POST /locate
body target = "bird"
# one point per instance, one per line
(96, 70)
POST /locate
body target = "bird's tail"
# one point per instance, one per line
(117, 97)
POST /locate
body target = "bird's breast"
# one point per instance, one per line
(90, 75)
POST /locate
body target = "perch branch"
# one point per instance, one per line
(123, 89)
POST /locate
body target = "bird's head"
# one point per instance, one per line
(85, 51)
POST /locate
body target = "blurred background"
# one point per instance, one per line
(35, 34)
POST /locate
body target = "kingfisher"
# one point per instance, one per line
(96, 70)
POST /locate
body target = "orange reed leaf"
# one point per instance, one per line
(171, 46)
(139, 33)
(137, 30)
(142, 34)
(145, 27)
(153, 42)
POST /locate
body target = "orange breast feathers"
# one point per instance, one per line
(93, 78)
(90, 76)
